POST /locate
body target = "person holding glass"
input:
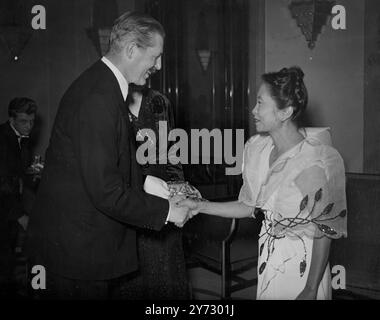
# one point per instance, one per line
(16, 185)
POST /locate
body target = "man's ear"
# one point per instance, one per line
(287, 113)
(12, 121)
(130, 49)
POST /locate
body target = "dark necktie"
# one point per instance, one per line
(25, 161)
(129, 100)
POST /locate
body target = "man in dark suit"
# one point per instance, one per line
(15, 158)
(91, 195)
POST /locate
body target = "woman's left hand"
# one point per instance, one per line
(307, 294)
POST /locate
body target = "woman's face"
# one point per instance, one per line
(266, 112)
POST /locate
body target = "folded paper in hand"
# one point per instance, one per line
(156, 186)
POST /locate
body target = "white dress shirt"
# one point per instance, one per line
(18, 134)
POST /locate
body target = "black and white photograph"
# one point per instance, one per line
(178, 152)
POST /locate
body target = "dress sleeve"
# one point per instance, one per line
(249, 191)
(322, 210)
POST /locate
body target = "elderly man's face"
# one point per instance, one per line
(146, 61)
(23, 123)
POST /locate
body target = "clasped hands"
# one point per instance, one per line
(181, 208)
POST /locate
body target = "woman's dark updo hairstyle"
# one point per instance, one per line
(288, 89)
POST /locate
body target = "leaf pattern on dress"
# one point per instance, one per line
(302, 267)
(327, 229)
(304, 203)
(261, 248)
(343, 213)
(318, 195)
(262, 267)
(328, 209)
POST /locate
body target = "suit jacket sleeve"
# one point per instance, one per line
(96, 147)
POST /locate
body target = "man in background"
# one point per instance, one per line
(15, 160)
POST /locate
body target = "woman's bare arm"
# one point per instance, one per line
(233, 209)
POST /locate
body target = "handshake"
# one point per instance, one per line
(182, 209)
(184, 199)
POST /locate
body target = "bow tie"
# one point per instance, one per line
(22, 140)
(19, 136)
(129, 99)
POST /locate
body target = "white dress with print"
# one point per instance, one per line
(303, 197)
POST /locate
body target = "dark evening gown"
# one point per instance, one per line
(162, 270)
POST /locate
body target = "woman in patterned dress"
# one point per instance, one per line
(297, 180)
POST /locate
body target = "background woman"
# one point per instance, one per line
(162, 269)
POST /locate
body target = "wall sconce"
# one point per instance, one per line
(104, 13)
(15, 28)
(16, 38)
(203, 51)
(204, 56)
(311, 16)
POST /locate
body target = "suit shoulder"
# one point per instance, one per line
(95, 79)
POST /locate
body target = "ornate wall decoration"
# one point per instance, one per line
(311, 16)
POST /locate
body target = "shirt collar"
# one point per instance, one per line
(18, 134)
(119, 76)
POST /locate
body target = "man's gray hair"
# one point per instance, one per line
(134, 27)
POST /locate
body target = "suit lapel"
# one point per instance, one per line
(136, 173)
(13, 140)
(134, 169)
